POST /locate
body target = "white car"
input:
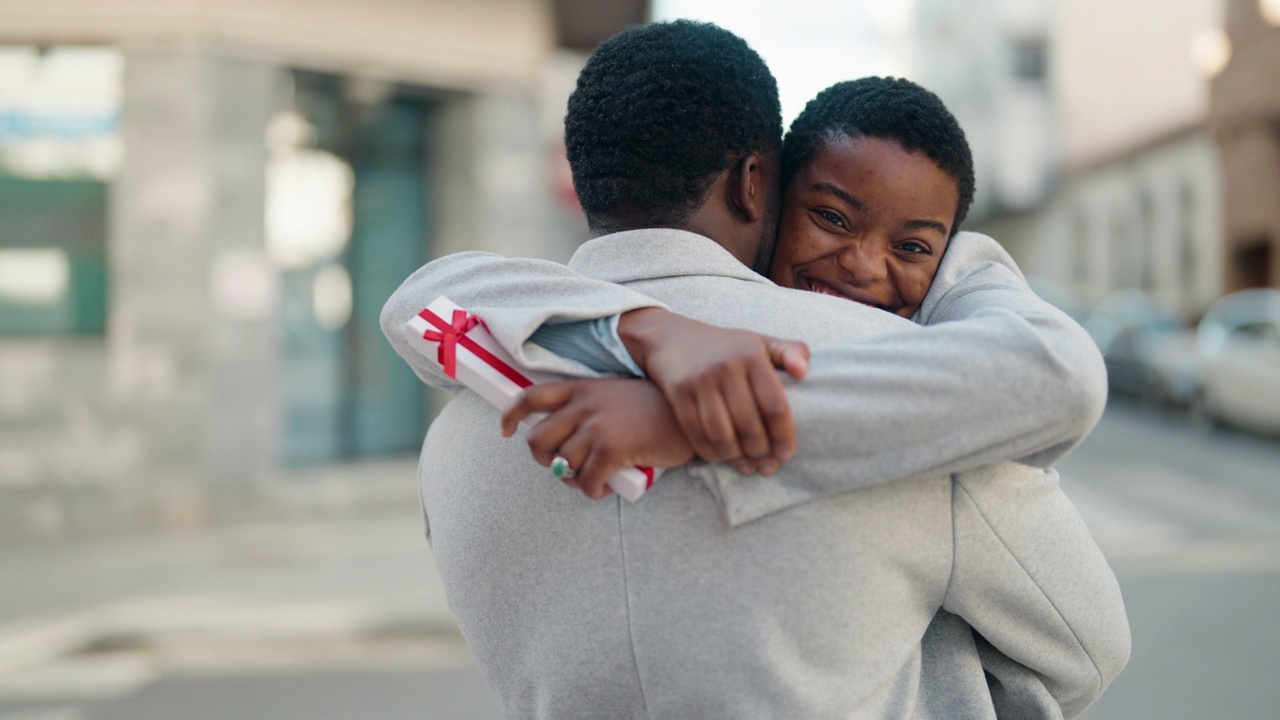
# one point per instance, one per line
(1239, 339)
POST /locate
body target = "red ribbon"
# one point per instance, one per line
(453, 334)
(648, 476)
(448, 337)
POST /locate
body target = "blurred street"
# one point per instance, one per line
(331, 609)
(337, 613)
(1190, 520)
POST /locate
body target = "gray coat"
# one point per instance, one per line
(719, 595)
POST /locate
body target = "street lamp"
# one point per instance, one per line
(1211, 50)
(1270, 10)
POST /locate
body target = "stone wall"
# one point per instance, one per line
(171, 413)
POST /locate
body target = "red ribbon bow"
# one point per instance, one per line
(451, 335)
(447, 350)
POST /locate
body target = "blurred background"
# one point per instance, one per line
(207, 450)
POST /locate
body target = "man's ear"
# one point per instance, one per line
(746, 189)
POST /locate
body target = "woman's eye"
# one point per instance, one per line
(915, 248)
(831, 217)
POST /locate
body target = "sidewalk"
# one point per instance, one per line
(342, 558)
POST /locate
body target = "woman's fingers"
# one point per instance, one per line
(775, 412)
(688, 415)
(745, 420)
(595, 473)
(589, 456)
(552, 435)
(791, 356)
(573, 448)
(717, 424)
(536, 399)
(752, 437)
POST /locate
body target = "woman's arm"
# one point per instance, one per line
(998, 374)
(515, 296)
(519, 298)
(978, 283)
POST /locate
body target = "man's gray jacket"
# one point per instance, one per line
(821, 592)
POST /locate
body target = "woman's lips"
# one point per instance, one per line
(842, 291)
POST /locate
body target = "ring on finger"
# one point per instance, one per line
(560, 468)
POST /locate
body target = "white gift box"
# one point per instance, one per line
(448, 335)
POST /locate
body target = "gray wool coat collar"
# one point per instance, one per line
(658, 253)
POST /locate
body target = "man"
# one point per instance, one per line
(849, 606)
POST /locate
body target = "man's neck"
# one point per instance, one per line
(694, 224)
(714, 228)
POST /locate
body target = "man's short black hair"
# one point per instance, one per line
(890, 109)
(658, 112)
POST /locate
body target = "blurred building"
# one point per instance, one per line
(989, 62)
(1126, 190)
(1246, 120)
(205, 205)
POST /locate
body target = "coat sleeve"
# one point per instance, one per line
(997, 374)
(1028, 577)
(514, 297)
(980, 284)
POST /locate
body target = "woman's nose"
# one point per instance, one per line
(865, 262)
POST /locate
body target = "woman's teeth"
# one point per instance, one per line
(823, 289)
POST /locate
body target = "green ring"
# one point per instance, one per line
(559, 467)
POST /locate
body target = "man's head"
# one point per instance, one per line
(878, 177)
(661, 114)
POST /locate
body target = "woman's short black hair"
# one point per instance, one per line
(658, 112)
(890, 109)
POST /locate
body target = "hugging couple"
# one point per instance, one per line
(859, 519)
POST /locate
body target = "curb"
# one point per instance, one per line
(179, 620)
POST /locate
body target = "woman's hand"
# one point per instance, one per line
(600, 427)
(722, 385)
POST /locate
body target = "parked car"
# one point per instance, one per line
(1150, 353)
(1239, 338)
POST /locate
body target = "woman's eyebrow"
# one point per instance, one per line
(925, 225)
(853, 202)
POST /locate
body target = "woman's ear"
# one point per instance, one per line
(746, 189)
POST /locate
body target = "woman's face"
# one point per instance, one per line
(868, 221)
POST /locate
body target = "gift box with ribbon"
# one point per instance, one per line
(460, 343)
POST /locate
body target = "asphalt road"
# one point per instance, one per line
(1189, 519)
(403, 678)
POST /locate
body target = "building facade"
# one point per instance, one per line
(1246, 119)
(989, 62)
(1149, 219)
(210, 202)
(1128, 193)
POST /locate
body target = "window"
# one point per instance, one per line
(345, 393)
(1029, 59)
(1252, 263)
(59, 148)
(53, 277)
(1189, 216)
